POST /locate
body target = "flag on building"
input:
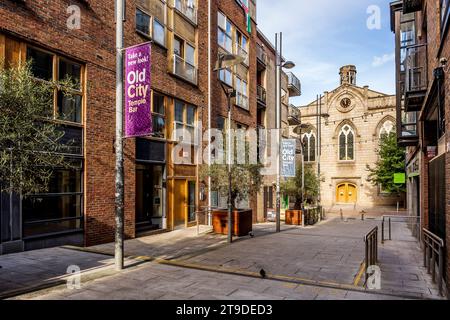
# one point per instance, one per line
(247, 16)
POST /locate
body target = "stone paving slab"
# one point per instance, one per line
(197, 285)
(41, 267)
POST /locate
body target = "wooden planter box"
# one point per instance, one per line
(242, 222)
(294, 217)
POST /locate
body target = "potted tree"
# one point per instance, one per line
(246, 181)
(293, 187)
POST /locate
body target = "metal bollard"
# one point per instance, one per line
(342, 215)
(382, 231)
(390, 229)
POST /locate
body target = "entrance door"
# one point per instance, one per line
(149, 197)
(179, 203)
(346, 193)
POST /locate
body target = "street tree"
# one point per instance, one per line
(391, 161)
(293, 187)
(246, 179)
(30, 141)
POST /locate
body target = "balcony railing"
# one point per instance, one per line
(410, 6)
(294, 116)
(243, 53)
(416, 77)
(261, 55)
(416, 68)
(294, 85)
(183, 69)
(261, 94)
(187, 10)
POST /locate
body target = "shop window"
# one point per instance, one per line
(59, 210)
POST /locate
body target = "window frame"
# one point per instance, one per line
(184, 123)
(309, 154)
(346, 146)
(56, 59)
(151, 32)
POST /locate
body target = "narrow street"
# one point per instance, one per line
(320, 262)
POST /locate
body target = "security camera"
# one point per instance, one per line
(443, 62)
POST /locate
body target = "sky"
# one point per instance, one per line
(320, 36)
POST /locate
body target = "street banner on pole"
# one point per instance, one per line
(138, 120)
(288, 152)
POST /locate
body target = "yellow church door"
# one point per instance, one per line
(346, 193)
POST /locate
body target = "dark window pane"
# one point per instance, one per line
(43, 228)
(312, 148)
(69, 107)
(350, 146)
(66, 181)
(342, 155)
(190, 115)
(179, 106)
(70, 70)
(41, 64)
(159, 126)
(158, 104)
(38, 208)
(142, 22)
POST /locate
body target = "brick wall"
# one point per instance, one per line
(439, 48)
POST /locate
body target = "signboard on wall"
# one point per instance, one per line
(138, 120)
(399, 178)
(288, 152)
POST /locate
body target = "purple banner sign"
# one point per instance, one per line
(138, 120)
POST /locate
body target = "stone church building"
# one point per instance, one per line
(348, 132)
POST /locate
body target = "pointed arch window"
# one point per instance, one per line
(346, 144)
(386, 129)
(309, 147)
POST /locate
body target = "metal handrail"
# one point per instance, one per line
(184, 69)
(389, 219)
(434, 248)
(371, 250)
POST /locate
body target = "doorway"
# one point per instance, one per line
(149, 197)
(184, 205)
(346, 193)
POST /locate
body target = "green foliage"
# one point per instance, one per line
(293, 186)
(29, 140)
(391, 160)
(246, 179)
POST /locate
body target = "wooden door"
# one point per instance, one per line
(179, 203)
(346, 193)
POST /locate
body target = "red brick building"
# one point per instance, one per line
(423, 109)
(78, 38)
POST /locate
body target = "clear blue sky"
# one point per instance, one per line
(320, 36)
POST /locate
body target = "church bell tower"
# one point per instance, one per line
(348, 75)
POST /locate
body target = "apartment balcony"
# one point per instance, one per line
(261, 96)
(410, 6)
(294, 116)
(416, 77)
(242, 53)
(188, 10)
(183, 69)
(408, 134)
(294, 85)
(261, 56)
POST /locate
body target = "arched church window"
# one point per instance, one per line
(346, 143)
(386, 129)
(309, 147)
